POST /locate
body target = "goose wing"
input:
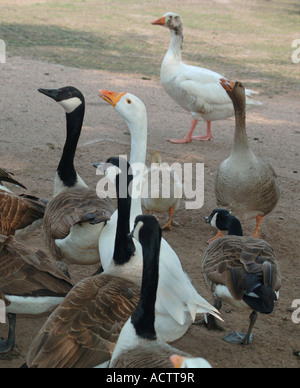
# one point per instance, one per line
(82, 332)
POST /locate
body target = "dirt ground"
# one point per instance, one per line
(32, 136)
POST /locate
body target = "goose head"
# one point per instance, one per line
(236, 92)
(171, 21)
(130, 107)
(147, 231)
(68, 97)
(222, 219)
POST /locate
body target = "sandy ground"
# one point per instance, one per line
(32, 137)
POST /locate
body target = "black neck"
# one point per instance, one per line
(143, 318)
(124, 245)
(66, 169)
(234, 226)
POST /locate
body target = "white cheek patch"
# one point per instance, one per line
(137, 229)
(213, 221)
(71, 104)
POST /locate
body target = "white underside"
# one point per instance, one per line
(223, 294)
(32, 305)
(81, 245)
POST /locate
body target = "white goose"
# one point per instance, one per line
(178, 302)
(195, 89)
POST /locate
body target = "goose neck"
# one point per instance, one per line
(137, 162)
(124, 246)
(143, 318)
(240, 135)
(234, 227)
(66, 170)
(176, 44)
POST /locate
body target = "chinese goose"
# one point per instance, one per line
(138, 346)
(242, 271)
(30, 283)
(195, 89)
(162, 189)
(245, 183)
(177, 309)
(19, 214)
(83, 330)
(75, 216)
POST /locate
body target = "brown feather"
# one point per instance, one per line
(82, 332)
(17, 212)
(228, 259)
(25, 273)
(70, 208)
(148, 355)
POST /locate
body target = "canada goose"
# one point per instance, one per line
(242, 271)
(166, 185)
(138, 346)
(83, 330)
(245, 184)
(30, 283)
(75, 216)
(195, 89)
(177, 310)
(189, 362)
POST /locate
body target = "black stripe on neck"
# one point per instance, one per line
(143, 319)
(66, 170)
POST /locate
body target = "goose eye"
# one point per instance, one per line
(129, 101)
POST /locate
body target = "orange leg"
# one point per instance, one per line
(188, 137)
(208, 136)
(147, 211)
(218, 235)
(169, 223)
(258, 222)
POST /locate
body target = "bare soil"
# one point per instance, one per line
(32, 136)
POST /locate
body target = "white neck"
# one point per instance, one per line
(139, 134)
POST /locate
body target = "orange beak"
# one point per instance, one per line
(160, 22)
(227, 85)
(111, 97)
(177, 360)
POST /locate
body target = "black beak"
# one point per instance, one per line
(207, 219)
(52, 93)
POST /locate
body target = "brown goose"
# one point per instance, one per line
(245, 183)
(19, 214)
(83, 330)
(138, 345)
(30, 283)
(242, 271)
(75, 216)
